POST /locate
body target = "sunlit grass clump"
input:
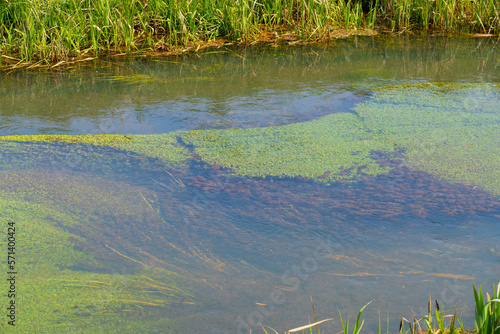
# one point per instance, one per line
(446, 130)
(487, 320)
(487, 313)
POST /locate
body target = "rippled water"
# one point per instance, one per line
(221, 240)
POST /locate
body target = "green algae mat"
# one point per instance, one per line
(65, 222)
(448, 130)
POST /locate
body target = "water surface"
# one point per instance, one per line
(365, 170)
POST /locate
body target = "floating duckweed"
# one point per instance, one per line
(327, 149)
(445, 129)
(450, 131)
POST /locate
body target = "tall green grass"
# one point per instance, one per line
(487, 319)
(52, 30)
(57, 29)
(481, 16)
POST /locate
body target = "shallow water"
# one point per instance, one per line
(242, 228)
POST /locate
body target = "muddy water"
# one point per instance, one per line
(250, 249)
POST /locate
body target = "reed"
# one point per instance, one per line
(487, 319)
(487, 315)
(51, 30)
(481, 16)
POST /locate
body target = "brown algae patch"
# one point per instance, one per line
(331, 148)
(448, 130)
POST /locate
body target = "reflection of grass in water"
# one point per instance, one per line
(331, 148)
(46, 260)
(129, 79)
(450, 131)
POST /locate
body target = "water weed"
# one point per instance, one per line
(334, 147)
(441, 129)
(62, 270)
(163, 147)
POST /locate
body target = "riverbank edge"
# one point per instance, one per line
(275, 38)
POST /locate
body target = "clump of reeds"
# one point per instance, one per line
(57, 29)
(487, 319)
(434, 324)
(51, 30)
(487, 315)
(480, 16)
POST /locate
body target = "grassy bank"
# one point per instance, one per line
(53, 30)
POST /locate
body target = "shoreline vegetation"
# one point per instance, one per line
(57, 32)
(486, 319)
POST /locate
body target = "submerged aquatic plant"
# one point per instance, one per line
(163, 147)
(440, 129)
(60, 270)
